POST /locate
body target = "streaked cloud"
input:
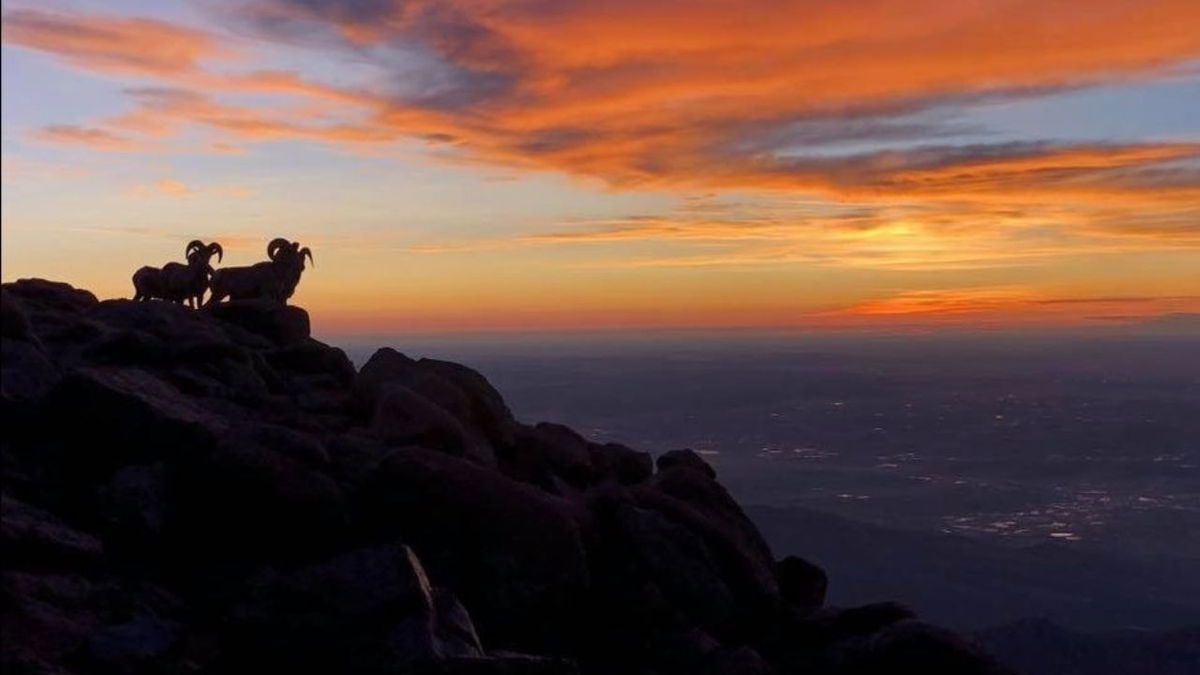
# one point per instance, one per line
(124, 45)
(1009, 303)
(91, 137)
(170, 187)
(657, 95)
(913, 236)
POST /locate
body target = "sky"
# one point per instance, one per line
(465, 165)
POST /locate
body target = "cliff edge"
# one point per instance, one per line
(216, 491)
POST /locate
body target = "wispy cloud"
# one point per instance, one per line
(95, 138)
(172, 188)
(916, 236)
(124, 45)
(23, 169)
(1010, 302)
(711, 94)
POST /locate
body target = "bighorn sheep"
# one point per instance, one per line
(274, 279)
(177, 282)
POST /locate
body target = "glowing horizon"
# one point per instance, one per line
(461, 165)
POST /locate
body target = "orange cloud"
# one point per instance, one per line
(226, 148)
(170, 187)
(173, 187)
(713, 93)
(97, 139)
(706, 93)
(703, 95)
(111, 43)
(1010, 303)
(914, 235)
(945, 301)
(24, 170)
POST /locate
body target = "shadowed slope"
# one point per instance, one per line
(216, 491)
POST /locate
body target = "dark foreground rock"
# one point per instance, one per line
(214, 491)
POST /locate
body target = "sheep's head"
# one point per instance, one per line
(278, 246)
(195, 247)
(289, 252)
(198, 250)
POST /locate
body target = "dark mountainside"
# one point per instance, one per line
(215, 491)
(971, 585)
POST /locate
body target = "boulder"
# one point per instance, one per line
(387, 579)
(296, 444)
(687, 494)
(546, 452)
(741, 660)
(915, 647)
(685, 459)
(462, 392)
(45, 618)
(500, 664)
(355, 455)
(133, 503)
(486, 408)
(246, 501)
(453, 627)
(370, 610)
(125, 347)
(512, 553)
(53, 312)
(680, 648)
(26, 372)
(174, 325)
(278, 323)
(130, 647)
(104, 418)
(842, 624)
(310, 357)
(41, 295)
(613, 461)
(670, 557)
(828, 641)
(35, 538)
(801, 583)
(14, 322)
(401, 416)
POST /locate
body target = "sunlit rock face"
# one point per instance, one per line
(216, 491)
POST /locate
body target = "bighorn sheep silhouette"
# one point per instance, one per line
(273, 279)
(177, 282)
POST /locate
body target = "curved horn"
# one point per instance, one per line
(305, 252)
(193, 246)
(216, 248)
(275, 245)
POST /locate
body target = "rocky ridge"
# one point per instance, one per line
(216, 491)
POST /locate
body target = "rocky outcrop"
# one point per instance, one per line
(215, 491)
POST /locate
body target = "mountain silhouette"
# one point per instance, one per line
(217, 491)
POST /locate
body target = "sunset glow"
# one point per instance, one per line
(526, 164)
